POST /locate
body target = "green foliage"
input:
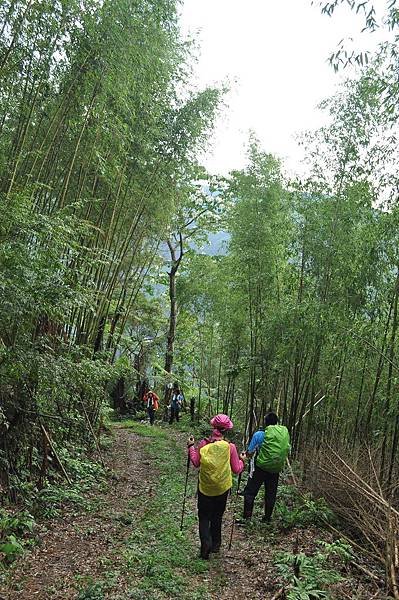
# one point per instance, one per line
(11, 548)
(14, 529)
(86, 475)
(300, 313)
(338, 548)
(92, 591)
(301, 510)
(314, 575)
(97, 140)
(52, 499)
(17, 523)
(302, 590)
(81, 469)
(40, 374)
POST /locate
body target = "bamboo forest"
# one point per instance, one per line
(173, 336)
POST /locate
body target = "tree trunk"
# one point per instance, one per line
(172, 323)
(175, 263)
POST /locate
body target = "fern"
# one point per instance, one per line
(314, 575)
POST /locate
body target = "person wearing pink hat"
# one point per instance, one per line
(216, 459)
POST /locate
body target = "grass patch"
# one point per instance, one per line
(142, 429)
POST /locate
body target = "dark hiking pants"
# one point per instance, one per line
(270, 481)
(210, 514)
(174, 414)
(151, 414)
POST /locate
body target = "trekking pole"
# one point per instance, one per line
(185, 490)
(234, 511)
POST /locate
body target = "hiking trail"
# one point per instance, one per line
(127, 545)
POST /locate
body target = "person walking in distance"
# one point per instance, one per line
(175, 405)
(216, 459)
(151, 402)
(273, 446)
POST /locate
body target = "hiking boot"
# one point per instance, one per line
(204, 553)
(268, 514)
(266, 519)
(242, 522)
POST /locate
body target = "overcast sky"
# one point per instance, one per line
(275, 54)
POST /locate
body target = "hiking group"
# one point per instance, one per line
(151, 403)
(217, 459)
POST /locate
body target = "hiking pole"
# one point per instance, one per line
(185, 490)
(234, 511)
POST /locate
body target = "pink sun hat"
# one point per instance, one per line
(221, 422)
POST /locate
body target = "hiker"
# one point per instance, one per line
(216, 459)
(151, 402)
(175, 405)
(273, 445)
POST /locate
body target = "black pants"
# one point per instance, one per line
(151, 414)
(210, 514)
(270, 481)
(174, 414)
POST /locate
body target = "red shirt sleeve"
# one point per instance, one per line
(236, 464)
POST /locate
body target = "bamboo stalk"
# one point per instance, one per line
(93, 434)
(55, 454)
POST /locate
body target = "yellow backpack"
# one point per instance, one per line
(215, 472)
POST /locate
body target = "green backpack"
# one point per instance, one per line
(274, 450)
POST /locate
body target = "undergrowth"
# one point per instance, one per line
(309, 576)
(56, 495)
(17, 527)
(295, 509)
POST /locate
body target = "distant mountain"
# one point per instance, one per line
(217, 244)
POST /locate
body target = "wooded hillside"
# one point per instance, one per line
(105, 289)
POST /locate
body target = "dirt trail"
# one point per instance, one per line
(75, 546)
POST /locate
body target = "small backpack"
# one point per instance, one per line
(215, 472)
(274, 450)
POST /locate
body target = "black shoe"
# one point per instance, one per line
(242, 522)
(266, 519)
(204, 553)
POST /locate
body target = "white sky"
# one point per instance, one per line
(275, 53)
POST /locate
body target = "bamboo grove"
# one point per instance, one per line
(98, 128)
(300, 311)
(104, 215)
